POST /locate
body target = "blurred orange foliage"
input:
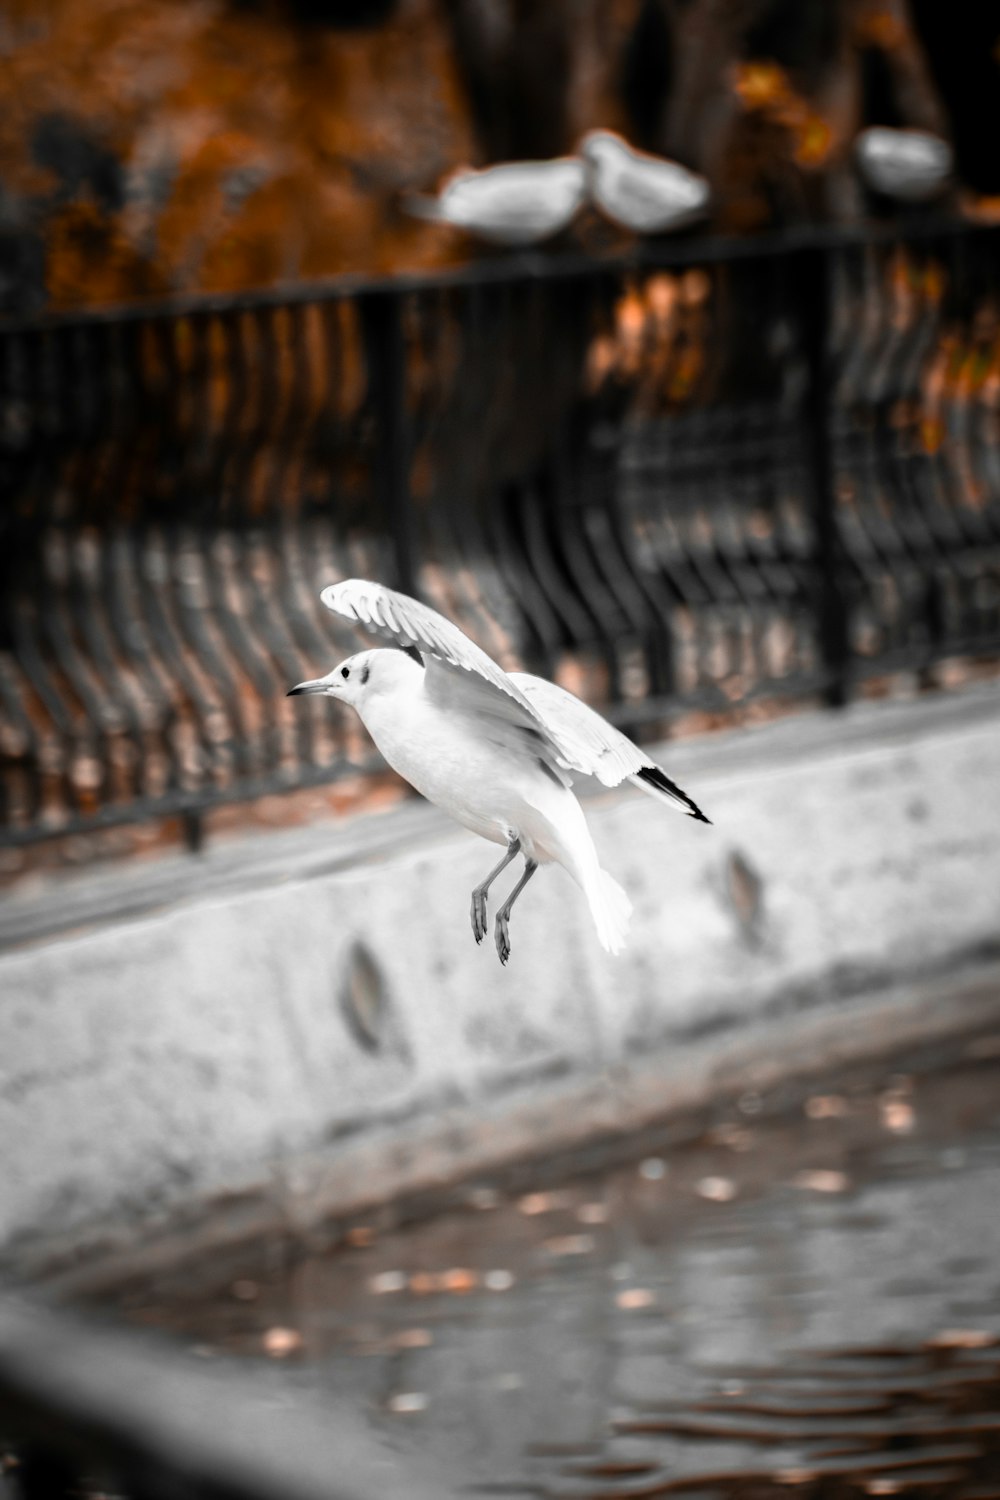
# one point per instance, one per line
(249, 150)
(764, 88)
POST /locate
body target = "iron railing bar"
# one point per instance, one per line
(450, 578)
(958, 578)
(160, 543)
(661, 601)
(521, 267)
(197, 580)
(29, 590)
(448, 530)
(283, 438)
(181, 348)
(985, 454)
(748, 569)
(308, 544)
(913, 532)
(569, 547)
(178, 801)
(317, 359)
(153, 564)
(915, 518)
(255, 358)
(73, 666)
(541, 578)
(449, 334)
(222, 577)
(156, 709)
(121, 552)
(814, 298)
(900, 463)
(36, 670)
(522, 521)
(106, 690)
(501, 625)
(871, 536)
(381, 321)
(26, 766)
(307, 385)
(121, 714)
(515, 551)
(86, 599)
(208, 618)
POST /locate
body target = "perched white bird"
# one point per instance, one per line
(647, 194)
(515, 203)
(908, 164)
(497, 750)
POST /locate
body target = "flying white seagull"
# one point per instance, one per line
(497, 750)
(515, 203)
(647, 194)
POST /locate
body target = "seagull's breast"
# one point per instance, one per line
(452, 760)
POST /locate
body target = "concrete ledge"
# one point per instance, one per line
(531, 1137)
(322, 998)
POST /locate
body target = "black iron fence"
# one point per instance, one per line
(715, 473)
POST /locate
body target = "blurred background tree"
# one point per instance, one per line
(158, 146)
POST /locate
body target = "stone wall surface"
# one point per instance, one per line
(183, 1032)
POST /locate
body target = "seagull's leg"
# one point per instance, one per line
(503, 915)
(479, 894)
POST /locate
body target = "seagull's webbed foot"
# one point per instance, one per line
(503, 915)
(479, 894)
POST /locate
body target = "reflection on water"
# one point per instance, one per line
(803, 1301)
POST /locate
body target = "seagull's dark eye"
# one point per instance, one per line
(345, 671)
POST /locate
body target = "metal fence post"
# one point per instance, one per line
(813, 288)
(382, 322)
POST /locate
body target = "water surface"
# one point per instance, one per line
(803, 1298)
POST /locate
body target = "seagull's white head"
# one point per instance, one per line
(601, 148)
(360, 676)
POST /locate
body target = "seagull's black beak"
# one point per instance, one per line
(320, 685)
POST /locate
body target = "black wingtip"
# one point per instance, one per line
(654, 777)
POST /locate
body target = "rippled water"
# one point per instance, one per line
(805, 1300)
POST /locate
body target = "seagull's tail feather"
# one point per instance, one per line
(611, 910)
(555, 824)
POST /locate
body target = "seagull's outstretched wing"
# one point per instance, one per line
(588, 744)
(402, 621)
